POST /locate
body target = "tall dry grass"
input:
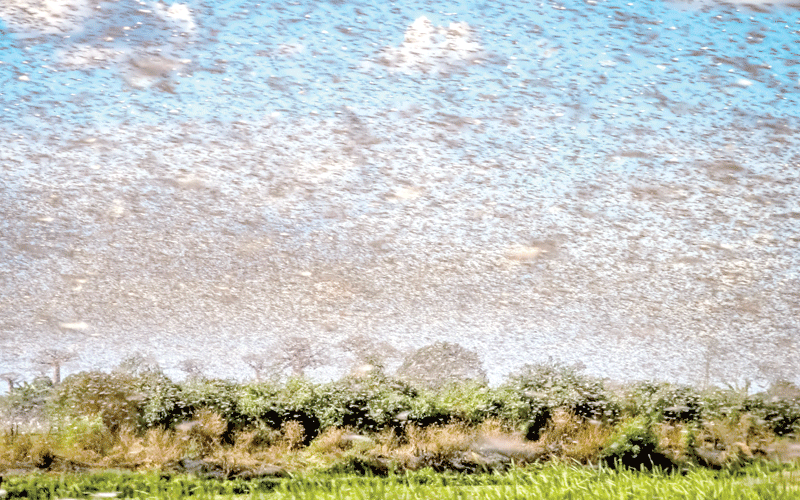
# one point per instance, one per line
(208, 437)
(574, 439)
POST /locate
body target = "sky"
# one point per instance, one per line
(604, 182)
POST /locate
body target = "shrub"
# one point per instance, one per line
(663, 401)
(114, 398)
(220, 396)
(260, 403)
(87, 434)
(163, 404)
(782, 416)
(634, 444)
(547, 387)
(270, 405)
(120, 399)
(471, 402)
(26, 402)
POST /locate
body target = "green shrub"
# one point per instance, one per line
(368, 403)
(271, 405)
(260, 403)
(220, 396)
(663, 401)
(471, 402)
(163, 404)
(634, 445)
(120, 399)
(544, 388)
(114, 398)
(27, 402)
(781, 416)
(87, 433)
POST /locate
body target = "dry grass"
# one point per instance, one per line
(738, 440)
(566, 438)
(251, 448)
(674, 440)
(35, 450)
(332, 441)
(732, 440)
(293, 435)
(575, 439)
(155, 448)
(15, 447)
(439, 438)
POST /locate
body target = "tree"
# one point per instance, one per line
(55, 359)
(11, 378)
(192, 367)
(442, 362)
(259, 363)
(369, 351)
(294, 354)
(139, 364)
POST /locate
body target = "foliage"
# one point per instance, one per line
(441, 363)
(219, 396)
(664, 401)
(26, 402)
(634, 444)
(137, 417)
(546, 387)
(270, 405)
(368, 403)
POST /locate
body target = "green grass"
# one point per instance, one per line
(551, 481)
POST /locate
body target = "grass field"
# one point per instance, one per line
(551, 481)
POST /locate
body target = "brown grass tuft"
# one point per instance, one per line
(293, 435)
(675, 440)
(332, 441)
(161, 446)
(575, 439)
(433, 444)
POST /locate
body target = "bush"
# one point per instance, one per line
(781, 416)
(114, 398)
(545, 388)
(120, 399)
(87, 434)
(271, 405)
(663, 401)
(634, 445)
(27, 402)
(367, 403)
(220, 396)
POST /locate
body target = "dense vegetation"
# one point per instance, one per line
(377, 424)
